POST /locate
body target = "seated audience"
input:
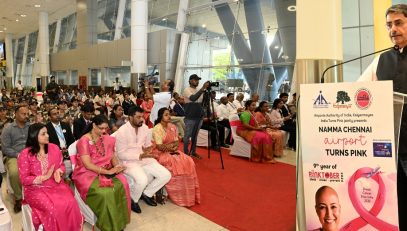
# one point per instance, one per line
(61, 135)
(127, 103)
(117, 119)
(13, 139)
(80, 124)
(238, 102)
(147, 105)
(134, 148)
(280, 122)
(250, 130)
(183, 188)
(98, 178)
(264, 120)
(41, 171)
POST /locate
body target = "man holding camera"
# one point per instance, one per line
(193, 113)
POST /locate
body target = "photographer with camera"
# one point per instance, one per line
(193, 113)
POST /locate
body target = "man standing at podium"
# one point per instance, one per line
(392, 65)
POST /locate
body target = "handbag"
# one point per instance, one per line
(105, 182)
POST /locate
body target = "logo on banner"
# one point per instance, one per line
(327, 176)
(363, 98)
(382, 149)
(342, 98)
(320, 101)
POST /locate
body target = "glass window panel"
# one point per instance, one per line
(106, 22)
(20, 50)
(367, 46)
(52, 29)
(123, 73)
(32, 46)
(350, 13)
(74, 77)
(366, 12)
(68, 33)
(61, 78)
(95, 77)
(351, 49)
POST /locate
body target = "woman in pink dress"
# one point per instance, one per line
(263, 118)
(183, 188)
(97, 177)
(147, 105)
(40, 167)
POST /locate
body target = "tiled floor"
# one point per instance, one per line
(163, 217)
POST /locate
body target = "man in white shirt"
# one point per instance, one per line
(133, 148)
(230, 105)
(161, 99)
(19, 86)
(117, 85)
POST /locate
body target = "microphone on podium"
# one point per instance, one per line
(395, 47)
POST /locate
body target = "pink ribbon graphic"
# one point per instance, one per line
(368, 217)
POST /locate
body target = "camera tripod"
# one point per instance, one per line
(208, 104)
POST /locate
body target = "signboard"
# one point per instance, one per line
(348, 152)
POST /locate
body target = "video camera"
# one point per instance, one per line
(212, 84)
(150, 78)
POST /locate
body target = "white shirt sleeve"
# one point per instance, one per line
(370, 73)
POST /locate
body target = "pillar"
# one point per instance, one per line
(119, 20)
(43, 42)
(9, 60)
(24, 60)
(139, 22)
(182, 15)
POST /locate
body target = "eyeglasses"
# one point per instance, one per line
(396, 23)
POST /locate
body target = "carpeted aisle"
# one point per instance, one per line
(246, 196)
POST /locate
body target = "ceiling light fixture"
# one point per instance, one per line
(276, 47)
(5, 28)
(164, 19)
(37, 5)
(292, 8)
(203, 25)
(1, 31)
(23, 15)
(17, 20)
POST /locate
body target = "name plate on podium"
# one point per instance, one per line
(348, 156)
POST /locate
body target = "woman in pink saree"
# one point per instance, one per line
(40, 167)
(277, 135)
(183, 188)
(260, 140)
(97, 177)
(147, 105)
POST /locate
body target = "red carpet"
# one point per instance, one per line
(245, 195)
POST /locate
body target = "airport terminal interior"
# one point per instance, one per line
(248, 47)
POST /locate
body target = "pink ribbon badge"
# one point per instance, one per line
(368, 217)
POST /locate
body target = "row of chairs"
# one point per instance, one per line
(240, 146)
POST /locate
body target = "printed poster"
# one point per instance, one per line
(348, 151)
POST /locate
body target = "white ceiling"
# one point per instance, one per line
(11, 10)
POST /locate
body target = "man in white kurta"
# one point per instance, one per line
(133, 148)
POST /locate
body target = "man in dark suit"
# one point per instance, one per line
(127, 103)
(60, 134)
(80, 124)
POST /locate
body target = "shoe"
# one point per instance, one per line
(17, 206)
(135, 207)
(216, 148)
(224, 146)
(148, 200)
(196, 156)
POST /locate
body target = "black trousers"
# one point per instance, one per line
(210, 126)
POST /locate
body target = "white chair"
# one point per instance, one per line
(87, 212)
(240, 147)
(26, 219)
(202, 139)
